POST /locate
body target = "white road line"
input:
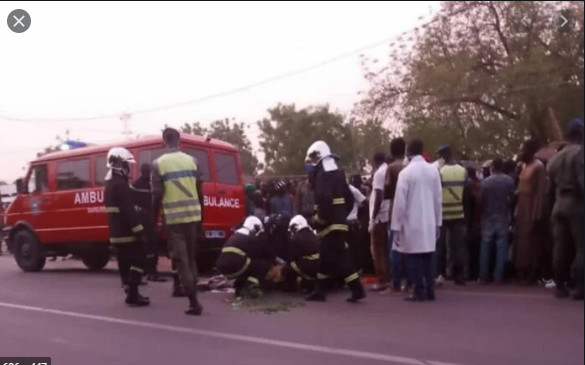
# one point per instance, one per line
(234, 337)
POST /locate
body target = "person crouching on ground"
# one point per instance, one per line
(246, 258)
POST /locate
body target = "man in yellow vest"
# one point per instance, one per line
(453, 182)
(175, 189)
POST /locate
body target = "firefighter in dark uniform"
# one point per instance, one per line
(333, 201)
(126, 232)
(246, 258)
(304, 254)
(566, 193)
(143, 197)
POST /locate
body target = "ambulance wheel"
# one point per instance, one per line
(97, 259)
(28, 252)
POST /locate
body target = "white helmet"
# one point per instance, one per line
(297, 223)
(119, 159)
(252, 225)
(317, 151)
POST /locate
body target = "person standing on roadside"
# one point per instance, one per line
(452, 242)
(417, 219)
(497, 194)
(176, 191)
(378, 227)
(566, 193)
(398, 153)
(529, 213)
(126, 232)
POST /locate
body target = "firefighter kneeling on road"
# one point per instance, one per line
(304, 254)
(334, 202)
(126, 232)
(246, 258)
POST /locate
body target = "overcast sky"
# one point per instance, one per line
(95, 59)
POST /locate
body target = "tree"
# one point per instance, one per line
(287, 134)
(481, 76)
(232, 132)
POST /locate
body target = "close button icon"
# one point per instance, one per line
(18, 21)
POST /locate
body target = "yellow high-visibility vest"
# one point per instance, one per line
(178, 173)
(453, 178)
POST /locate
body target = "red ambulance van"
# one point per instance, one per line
(60, 206)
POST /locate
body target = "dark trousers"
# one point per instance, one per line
(494, 229)
(473, 253)
(182, 239)
(452, 242)
(334, 259)
(152, 243)
(398, 264)
(380, 255)
(131, 262)
(422, 274)
(569, 246)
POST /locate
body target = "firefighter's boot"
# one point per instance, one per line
(357, 291)
(195, 308)
(133, 297)
(178, 291)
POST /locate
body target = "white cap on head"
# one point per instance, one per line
(297, 223)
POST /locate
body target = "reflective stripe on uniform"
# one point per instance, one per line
(112, 210)
(253, 280)
(453, 179)
(451, 184)
(233, 250)
(173, 217)
(322, 276)
(239, 272)
(338, 201)
(296, 268)
(137, 228)
(351, 278)
(137, 269)
(331, 228)
(183, 203)
(178, 172)
(312, 257)
(451, 204)
(122, 239)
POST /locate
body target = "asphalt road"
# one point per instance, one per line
(77, 317)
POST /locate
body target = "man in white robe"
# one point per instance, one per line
(417, 218)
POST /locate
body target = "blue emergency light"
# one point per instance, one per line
(71, 145)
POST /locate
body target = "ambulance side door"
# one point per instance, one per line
(34, 208)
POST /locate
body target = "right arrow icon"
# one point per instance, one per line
(563, 20)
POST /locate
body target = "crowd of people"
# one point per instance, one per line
(422, 222)
(515, 219)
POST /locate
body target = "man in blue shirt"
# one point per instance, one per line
(496, 204)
